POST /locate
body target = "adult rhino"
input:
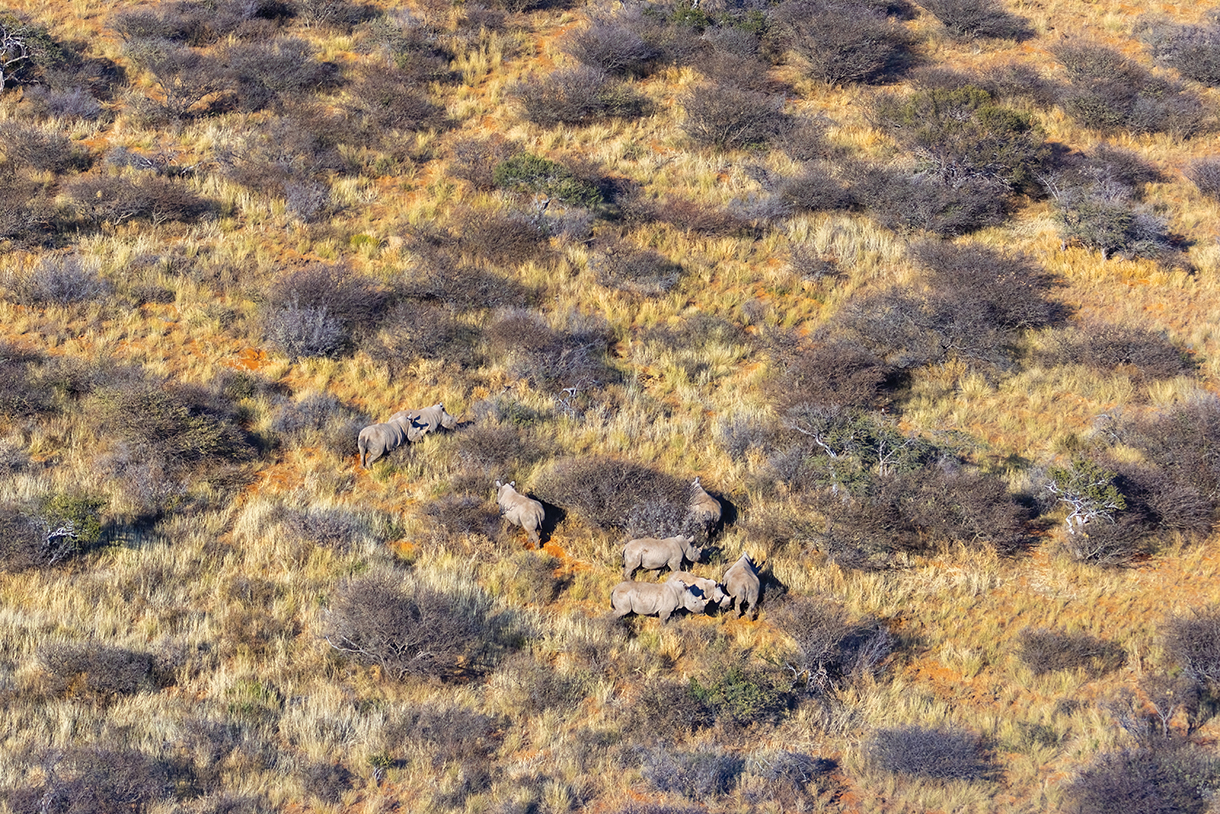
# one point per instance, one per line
(655, 598)
(520, 510)
(742, 584)
(418, 423)
(704, 508)
(652, 554)
(710, 587)
(378, 440)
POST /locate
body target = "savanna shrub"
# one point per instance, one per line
(693, 216)
(1044, 650)
(840, 41)
(1110, 92)
(1181, 441)
(943, 754)
(1164, 778)
(578, 96)
(319, 418)
(451, 734)
(414, 330)
(301, 332)
(641, 271)
(726, 68)
(603, 491)
(1193, 641)
(1107, 218)
(436, 279)
(38, 149)
(327, 781)
(500, 447)
(1193, 50)
(666, 709)
(392, 99)
(337, 528)
(475, 160)
(97, 779)
(527, 172)
(962, 133)
(969, 19)
(1205, 174)
(502, 238)
(59, 280)
(111, 199)
(263, 74)
(407, 628)
(700, 775)
(831, 649)
(1011, 288)
(96, 671)
(575, 358)
(607, 45)
(743, 696)
(457, 516)
(1106, 346)
(728, 117)
(816, 189)
(838, 373)
(926, 203)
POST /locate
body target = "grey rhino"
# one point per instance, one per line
(710, 587)
(418, 423)
(660, 598)
(742, 584)
(702, 506)
(379, 440)
(520, 510)
(652, 554)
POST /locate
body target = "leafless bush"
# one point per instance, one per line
(642, 271)
(1193, 641)
(842, 42)
(693, 216)
(462, 515)
(575, 358)
(96, 779)
(353, 299)
(339, 15)
(327, 781)
(969, 19)
(943, 754)
(1110, 543)
(839, 373)
(502, 238)
(832, 650)
(420, 330)
(730, 118)
(304, 332)
(577, 96)
(603, 491)
(666, 709)
(1019, 81)
(609, 46)
(261, 74)
(407, 628)
(1106, 217)
(319, 418)
(1176, 777)
(1110, 92)
(1013, 287)
(59, 280)
(497, 447)
(39, 149)
(99, 199)
(925, 203)
(1106, 346)
(816, 189)
(1044, 650)
(439, 279)
(96, 671)
(452, 734)
(1178, 440)
(1205, 174)
(392, 99)
(726, 68)
(701, 775)
(27, 215)
(339, 529)
(1193, 50)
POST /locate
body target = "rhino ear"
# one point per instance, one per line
(498, 484)
(513, 484)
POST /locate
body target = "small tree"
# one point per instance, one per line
(1089, 492)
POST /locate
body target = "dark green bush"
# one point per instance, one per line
(532, 173)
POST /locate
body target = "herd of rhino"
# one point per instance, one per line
(681, 590)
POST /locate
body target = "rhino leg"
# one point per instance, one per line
(533, 535)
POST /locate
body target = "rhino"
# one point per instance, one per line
(379, 440)
(418, 423)
(652, 554)
(704, 508)
(659, 598)
(710, 587)
(520, 510)
(742, 584)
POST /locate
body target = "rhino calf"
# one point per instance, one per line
(704, 508)
(655, 598)
(378, 440)
(520, 510)
(742, 584)
(710, 587)
(652, 554)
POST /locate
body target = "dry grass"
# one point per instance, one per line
(225, 590)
